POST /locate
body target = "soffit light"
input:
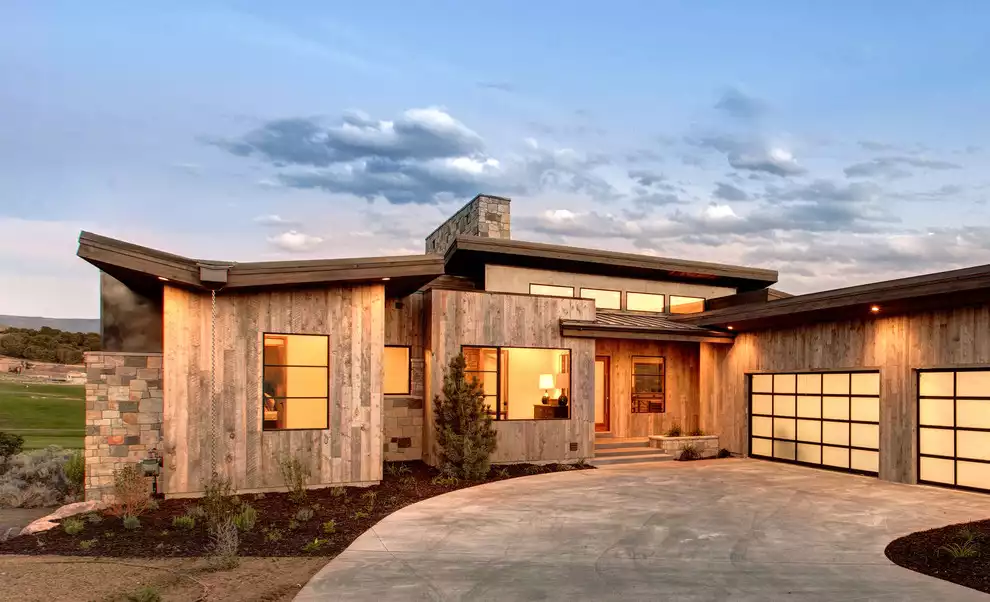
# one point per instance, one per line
(875, 309)
(163, 278)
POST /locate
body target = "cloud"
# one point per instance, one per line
(750, 154)
(275, 220)
(893, 167)
(740, 105)
(728, 192)
(646, 177)
(873, 145)
(294, 241)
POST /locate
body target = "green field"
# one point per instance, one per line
(44, 414)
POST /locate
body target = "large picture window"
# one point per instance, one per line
(295, 382)
(648, 385)
(397, 371)
(522, 383)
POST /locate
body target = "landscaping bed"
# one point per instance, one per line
(279, 530)
(957, 553)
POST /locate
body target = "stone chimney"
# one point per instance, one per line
(485, 215)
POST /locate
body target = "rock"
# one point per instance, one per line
(49, 521)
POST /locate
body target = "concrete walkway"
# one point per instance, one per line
(714, 530)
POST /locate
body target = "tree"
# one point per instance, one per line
(466, 437)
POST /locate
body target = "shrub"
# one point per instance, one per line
(315, 545)
(674, 430)
(75, 472)
(131, 492)
(502, 473)
(184, 522)
(697, 433)
(10, 446)
(295, 474)
(304, 514)
(338, 491)
(145, 594)
(94, 518)
(689, 452)
(464, 431)
(396, 469)
(219, 502)
(131, 523)
(35, 479)
(445, 480)
(967, 549)
(273, 534)
(359, 515)
(369, 498)
(330, 527)
(223, 545)
(88, 543)
(73, 526)
(293, 524)
(724, 453)
(246, 519)
(196, 511)
(534, 469)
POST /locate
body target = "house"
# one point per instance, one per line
(233, 367)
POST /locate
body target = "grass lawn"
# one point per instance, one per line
(44, 414)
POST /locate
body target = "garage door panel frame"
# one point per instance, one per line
(821, 420)
(955, 428)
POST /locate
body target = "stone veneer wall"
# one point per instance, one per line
(484, 215)
(124, 407)
(404, 419)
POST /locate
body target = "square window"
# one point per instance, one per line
(295, 382)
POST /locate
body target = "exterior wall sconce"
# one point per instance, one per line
(875, 309)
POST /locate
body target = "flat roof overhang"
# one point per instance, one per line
(132, 263)
(604, 327)
(468, 255)
(941, 290)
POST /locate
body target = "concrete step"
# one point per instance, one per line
(616, 443)
(627, 460)
(614, 452)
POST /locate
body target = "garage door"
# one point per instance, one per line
(954, 428)
(825, 419)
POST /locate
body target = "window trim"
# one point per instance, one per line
(663, 296)
(264, 335)
(532, 284)
(408, 372)
(604, 290)
(498, 381)
(632, 384)
(670, 308)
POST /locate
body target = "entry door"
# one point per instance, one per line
(827, 419)
(602, 388)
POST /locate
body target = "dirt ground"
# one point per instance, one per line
(77, 579)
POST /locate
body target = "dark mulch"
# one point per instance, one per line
(926, 552)
(354, 510)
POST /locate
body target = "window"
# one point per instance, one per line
(396, 370)
(522, 383)
(295, 382)
(603, 299)
(648, 385)
(686, 305)
(551, 290)
(644, 302)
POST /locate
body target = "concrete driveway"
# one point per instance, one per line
(713, 530)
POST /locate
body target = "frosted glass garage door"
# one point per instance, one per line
(828, 419)
(954, 428)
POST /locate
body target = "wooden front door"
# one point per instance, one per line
(603, 386)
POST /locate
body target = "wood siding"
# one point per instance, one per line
(350, 451)
(478, 318)
(897, 346)
(681, 364)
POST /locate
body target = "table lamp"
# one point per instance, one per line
(546, 383)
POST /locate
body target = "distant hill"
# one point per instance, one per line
(66, 324)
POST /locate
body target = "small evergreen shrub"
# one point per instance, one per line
(246, 519)
(465, 435)
(304, 514)
(338, 491)
(293, 524)
(88, 543)
(689, 452)
(359, 515)
(273, 534)
(219, 502)
(131, 523)
(10, 446)
(697, 433)
(295, 473)
(75, 472)
(330, 527)
(724, 453)
(184, 522)
(73, 526)
(674, 430)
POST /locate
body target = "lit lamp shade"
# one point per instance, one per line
(546, 381)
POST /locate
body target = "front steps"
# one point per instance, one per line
(611, 451)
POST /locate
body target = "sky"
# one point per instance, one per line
(836, 142)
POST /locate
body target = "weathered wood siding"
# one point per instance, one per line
(896, 346)
(403, 414)
(682, 394)
(349, 451)
(478, 318)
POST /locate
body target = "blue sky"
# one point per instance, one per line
(838, 143)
